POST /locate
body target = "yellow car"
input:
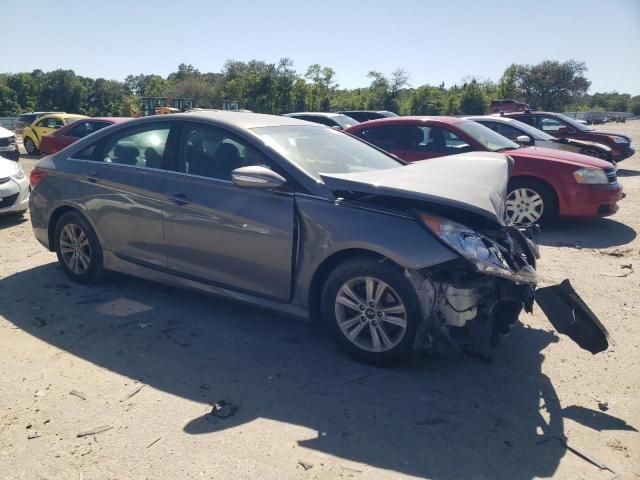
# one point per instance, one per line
(43, 126)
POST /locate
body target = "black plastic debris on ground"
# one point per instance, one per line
(223, 409)
(570, 316)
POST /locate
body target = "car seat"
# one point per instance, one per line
(125, 154)
(226, 159)
(152, 158)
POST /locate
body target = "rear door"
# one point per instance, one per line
(426, 142)
(123, 190)
(45, 126)
(389, 138)
(216, 232)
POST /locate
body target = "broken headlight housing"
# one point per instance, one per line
(485, 254)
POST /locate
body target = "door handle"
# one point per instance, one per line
(92, 177)
(178, 198)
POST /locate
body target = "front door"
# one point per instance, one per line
(426, 142)
(216, 232)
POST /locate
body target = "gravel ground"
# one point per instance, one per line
(73, 359)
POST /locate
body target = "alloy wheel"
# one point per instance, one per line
(524, 206)
(29, 146)
(75, 248)
(370, 314)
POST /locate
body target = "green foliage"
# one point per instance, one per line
(278, 88)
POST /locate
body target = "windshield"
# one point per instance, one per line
(344, 120)
(321, 150)
(573, 123)
(493, 141)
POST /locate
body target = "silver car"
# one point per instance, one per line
(296, 217)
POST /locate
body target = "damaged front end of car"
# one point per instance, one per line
(473, 302)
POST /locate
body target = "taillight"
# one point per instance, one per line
(36, 176)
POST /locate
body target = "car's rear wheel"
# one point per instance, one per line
(372, 310)
(30, 146)
(530, 202)
(78, 249)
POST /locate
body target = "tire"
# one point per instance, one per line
(83, 264)
(30, 146)
(398, 297)
(530, 202)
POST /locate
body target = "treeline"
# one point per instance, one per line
(278, 88)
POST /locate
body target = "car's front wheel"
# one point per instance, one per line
(530, 202)
(30, 146)
(372, 310)
(78, 249)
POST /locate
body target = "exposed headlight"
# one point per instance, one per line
(481, 251)
(19, 173)
(618, 139)
(591, 176)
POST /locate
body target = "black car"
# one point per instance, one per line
(26, 119)
(338, 121)
(364, 115)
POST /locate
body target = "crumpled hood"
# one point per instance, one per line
(475, 182)
(4, 133)
(598, 145)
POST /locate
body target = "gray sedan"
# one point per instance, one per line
(296, 217)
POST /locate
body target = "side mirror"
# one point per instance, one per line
(523, 139)
(257, 176)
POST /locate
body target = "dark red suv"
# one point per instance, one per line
(545, 183)
(561, 126)
(507, 105)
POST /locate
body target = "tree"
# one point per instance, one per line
(426, 100)
(472, 100)
(62, 90)
(507, 87)
(552, 85)
(323, 84)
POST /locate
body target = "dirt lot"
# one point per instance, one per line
(74, 358)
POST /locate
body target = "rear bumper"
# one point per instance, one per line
(588, 201)
(14, 196)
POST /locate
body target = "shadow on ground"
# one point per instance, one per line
(593, 233)
(624, 172)
(9, 220)
(442, 418)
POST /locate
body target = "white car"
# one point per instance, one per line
(14, 187)
(8, 144)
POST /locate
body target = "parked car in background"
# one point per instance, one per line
(562, 126)
(525, 134)
(44, 125)
(507, 105)
(72, 132)
(334, 120)
(8, 144)
(298, 218)
(27, 118)
(14, 187)
(365, 115)
(545, 184)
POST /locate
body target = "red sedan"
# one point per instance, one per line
(74, 131)
(545, 184)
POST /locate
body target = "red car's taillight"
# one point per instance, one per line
(36, 176)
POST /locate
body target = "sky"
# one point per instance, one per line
(435, 41)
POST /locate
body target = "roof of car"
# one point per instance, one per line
(63, 115)
(241, 119)
(410, 119)
(320, 114)
(110, 119)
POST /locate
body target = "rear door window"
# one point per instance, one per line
(142, 146)
(82, 129)
(387, 137)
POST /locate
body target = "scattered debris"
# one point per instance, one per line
(306, 465)
(603, 406)
(627, 266)
(33, 435)
(28, 426)
(86, 452)
(223, 409)
(144, 325)
(94, 431)
(133, 393)
(617, 445)
(76, 393)
(41, 321)
(615, 253)
(154, 442)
